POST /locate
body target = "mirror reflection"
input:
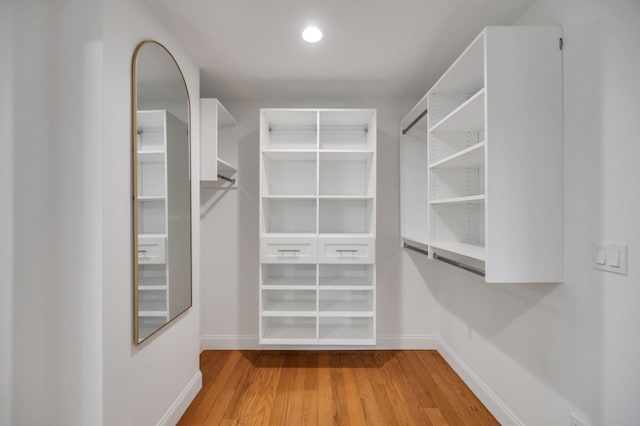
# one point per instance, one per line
(161, 190)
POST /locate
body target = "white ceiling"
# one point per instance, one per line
(251, 49)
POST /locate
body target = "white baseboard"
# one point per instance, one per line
(183, 401)
(228, 342)
(247, 342)
(500, 411)
(408, 342)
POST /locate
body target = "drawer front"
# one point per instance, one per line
(152, 250)
(288, 250)
(346, 250)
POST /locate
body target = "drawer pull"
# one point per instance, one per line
(285, 251)
(347, 251)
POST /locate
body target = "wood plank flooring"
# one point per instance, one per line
(294, 388)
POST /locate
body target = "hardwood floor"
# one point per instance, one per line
(332, 388)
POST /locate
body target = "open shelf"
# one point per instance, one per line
(469, 199)
(469, 157)
(282, 330)
(286, 175)
(346, 277)
(151, 156)
(346, 216)
(346, 302)
(153, 314)
(468, 117)
(289, 129)
(335, 330)
(349, 130)
(294, 303)
(474, 251)
(288, 276)
(289, 215)
(351, 175)
(290, 154)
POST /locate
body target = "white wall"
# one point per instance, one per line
(52, 184)
(6, 212)
(407, 313)
(547, 350)
(140, 382)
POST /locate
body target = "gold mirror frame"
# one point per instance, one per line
(135, 203)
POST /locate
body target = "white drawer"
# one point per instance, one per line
(288, 250)
(151, 250)
(346, 250)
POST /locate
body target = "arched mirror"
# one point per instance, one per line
(161, 190)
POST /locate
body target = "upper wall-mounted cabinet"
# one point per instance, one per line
(488, 157)
(218, 144)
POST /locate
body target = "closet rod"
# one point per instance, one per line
(460, 265)
(452, 262)
(414, 122)
(228, 179)
(419, 250)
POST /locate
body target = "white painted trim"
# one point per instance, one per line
(180, 405)
(408, 342)
(229, 342)
(500, 411)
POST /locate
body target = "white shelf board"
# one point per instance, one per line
(346, 307)
(154, 314)
(150, 156)
(469, 157)
(289, 283)
(151, 287)
(289, 197)
(456, 200)
(286, 313)
(289, 234)
(225, 168)
(289, 341)
(347, 341)
(289, 154)
(151, 197)
(289, 307)
(346, 331)
(345, 313)
(465, 249)
(345, 197)
(285, 334)
(152, 235)
(468, 117)
(345, 155)
(340, 283)
(347, 235)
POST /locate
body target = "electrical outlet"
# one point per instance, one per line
(574, 421)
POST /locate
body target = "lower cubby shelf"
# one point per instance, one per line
(346, 330)
(289, 330)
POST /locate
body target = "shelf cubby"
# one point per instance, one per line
(454, 183)
(289, 216)
(152, 216)
(288, 276)
(300, 303)
(292, 173)
(337, 330)
(346, 277)
(346, 174)
(346, 303)
(347, 130)
(288, 329)
(346, 216)
(289, 129)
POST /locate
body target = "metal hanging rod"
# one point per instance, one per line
(452, 262)
(414, 122)
(228, 179)
(419, 250)
(460, 265)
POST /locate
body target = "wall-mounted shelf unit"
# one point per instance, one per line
(481, 178)
(218, 145)
(317, 225)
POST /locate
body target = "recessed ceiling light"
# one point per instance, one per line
(312, 34)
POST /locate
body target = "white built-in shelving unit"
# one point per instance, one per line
(154, 129)
(318, 226)
(481, 179)
(218, 145)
